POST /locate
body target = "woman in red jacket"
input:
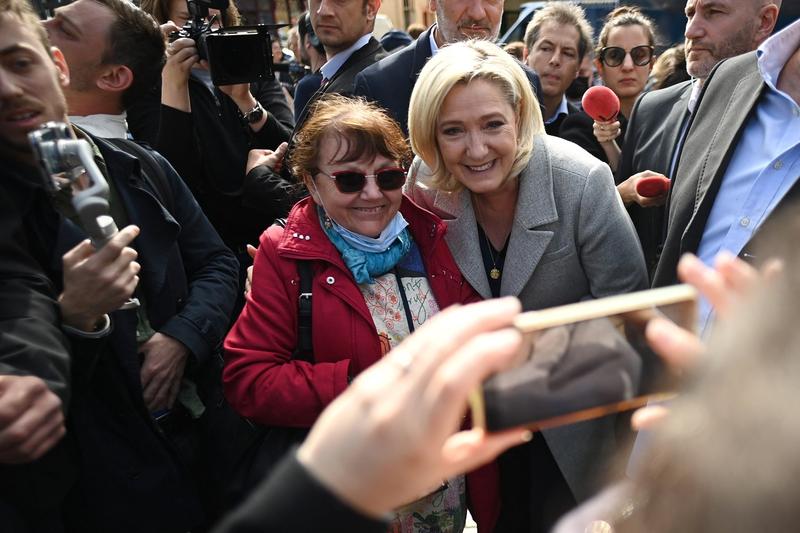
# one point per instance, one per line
(379, 268)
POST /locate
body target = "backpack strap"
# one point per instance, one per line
(152, 172)
(305, 348)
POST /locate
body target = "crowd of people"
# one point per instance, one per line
(313, 276)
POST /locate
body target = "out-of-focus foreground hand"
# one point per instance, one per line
(395, 432)
(725, 285)
(31, 419)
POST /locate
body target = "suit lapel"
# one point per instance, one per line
(535, 207)
(708, 149)
(462, 238)
(422, 52)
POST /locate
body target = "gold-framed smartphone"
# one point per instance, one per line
(585, 360)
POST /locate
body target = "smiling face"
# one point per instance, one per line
(477, 136)
(716, 30)
(460, 20)
(366, 212)
(30, 86)
(626, 80)
(554, 57)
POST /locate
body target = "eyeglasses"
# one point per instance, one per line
(613, 56)
(351, 181)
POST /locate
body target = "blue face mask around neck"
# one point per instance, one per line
(373, 245)
(379, 244)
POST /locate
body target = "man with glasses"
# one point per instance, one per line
(715, 30)
(556, 41)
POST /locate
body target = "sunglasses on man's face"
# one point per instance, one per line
(352, 181)
(614, 56)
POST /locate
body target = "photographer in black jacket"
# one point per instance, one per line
(205, 131)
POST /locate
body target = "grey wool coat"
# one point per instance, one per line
(571, 240)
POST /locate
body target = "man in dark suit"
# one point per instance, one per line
(345, 31)
(740, 163)
(658, 123)
(390, 81)
(556, 41)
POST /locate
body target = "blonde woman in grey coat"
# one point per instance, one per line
(528, 215)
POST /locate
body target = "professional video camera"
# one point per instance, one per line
(239, 54)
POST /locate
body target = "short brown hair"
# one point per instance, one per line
(134, 40)
(23, 10)
(566, 14)
(368, 130)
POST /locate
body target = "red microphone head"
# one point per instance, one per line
(601, 103)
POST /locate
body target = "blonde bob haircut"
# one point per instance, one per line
(462, 63)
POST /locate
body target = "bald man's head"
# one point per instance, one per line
(719, 29)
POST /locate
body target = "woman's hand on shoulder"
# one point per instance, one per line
(273, 159)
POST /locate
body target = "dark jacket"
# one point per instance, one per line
(31, 344)
(291, 500)
(390, 81)
(304, 90)
(554, 128)
(343, 81)
(650, 141)
(208, 148)
(730, 96)
(128, 467)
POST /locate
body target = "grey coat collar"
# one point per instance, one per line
(536, 207)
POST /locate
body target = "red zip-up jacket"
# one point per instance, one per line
(262, 381)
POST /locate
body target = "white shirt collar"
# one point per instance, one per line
(434, 47)
(103, 126)
(333, 65)
(697, 87)
(775, 52)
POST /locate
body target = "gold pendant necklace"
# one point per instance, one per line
(494, 272)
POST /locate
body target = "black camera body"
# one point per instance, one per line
(239, 54)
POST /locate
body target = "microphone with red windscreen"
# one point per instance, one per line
(601, 103)
(652, 186)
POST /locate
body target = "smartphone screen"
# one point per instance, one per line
(584, 361)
